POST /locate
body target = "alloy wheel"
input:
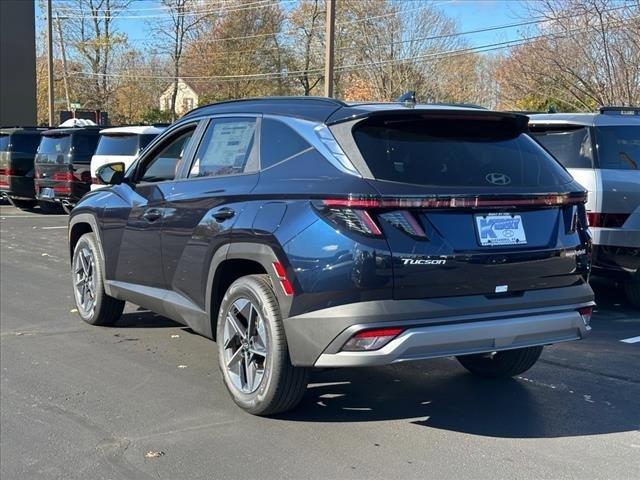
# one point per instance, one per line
(245, 344)
(84, 281)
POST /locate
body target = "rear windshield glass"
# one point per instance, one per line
(455, 153)
(84, 146)
(55, 145)
(118, 145)
(570, 145)
(619, 147)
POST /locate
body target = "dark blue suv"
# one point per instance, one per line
(307, 232)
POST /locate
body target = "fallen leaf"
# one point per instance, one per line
(182, 366)
(175, 336)
(18, 333)
(45, 254)
(154, 454)
(73, 310)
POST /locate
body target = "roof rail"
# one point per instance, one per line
(620, 111)
(332, 101)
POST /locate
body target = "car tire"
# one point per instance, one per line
(22, 204)
(49, 208)
(507, 363)
(280, 386)
(632, 290)
(87, 271)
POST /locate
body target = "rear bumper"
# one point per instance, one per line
(439, 327)
(467, 338)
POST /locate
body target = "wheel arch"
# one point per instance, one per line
(78, 226)
(235, 260)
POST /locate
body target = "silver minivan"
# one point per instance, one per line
(602, 151)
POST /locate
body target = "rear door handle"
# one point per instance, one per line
(152, 215)
(223, 214)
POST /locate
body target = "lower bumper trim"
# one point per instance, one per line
(467, 338)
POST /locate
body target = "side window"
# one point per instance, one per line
(163, 166)
(226, 148)
(619, 147)
(278, 142)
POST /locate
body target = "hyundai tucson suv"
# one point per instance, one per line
(18, 146)
(63, 166)
(121, 144)
(302, 233)
(602, 152)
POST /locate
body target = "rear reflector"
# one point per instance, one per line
(586, 313)
(607, 220)
(282, 276)
(371, 339)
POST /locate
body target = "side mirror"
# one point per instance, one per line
(111, 173)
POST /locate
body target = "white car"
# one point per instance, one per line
(121, 144)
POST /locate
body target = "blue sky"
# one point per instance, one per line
(470, 15)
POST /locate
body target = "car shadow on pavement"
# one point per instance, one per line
(142, 318)
(439, 394)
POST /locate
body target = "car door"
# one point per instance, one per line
(140, 212)
(206, 201)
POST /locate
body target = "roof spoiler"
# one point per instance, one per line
(515, 121)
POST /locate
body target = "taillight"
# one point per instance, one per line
(282, 276)
(373, 339)
(586, 313)
(63, 177)
(7, 171)
(357, 219)
(607, 220)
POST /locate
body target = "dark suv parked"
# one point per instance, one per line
(63, 165)
(306, 232)
(17, 148)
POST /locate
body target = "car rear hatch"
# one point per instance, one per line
(54, 170)
(469, 204)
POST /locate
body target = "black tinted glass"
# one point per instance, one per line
(225, 148)
(118, 145)
(278, 142)
(570, 146)
(146, 140)
(84, 145)
(163, 166)
(455, 153)
(25, 143)
(619, 147)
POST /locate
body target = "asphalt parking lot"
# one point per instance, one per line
(91, 402)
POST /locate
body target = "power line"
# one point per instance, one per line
(221, 9)
(359, 66)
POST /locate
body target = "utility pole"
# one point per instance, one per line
(50, 60)
(330, 26)
(65, 79)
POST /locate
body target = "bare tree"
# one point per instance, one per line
(173, 33)
(587, 54)
(94, 41)
(306, 29)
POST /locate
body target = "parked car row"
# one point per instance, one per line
(602, 152)
(54, 168)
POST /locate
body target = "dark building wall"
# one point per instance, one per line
(17, 62)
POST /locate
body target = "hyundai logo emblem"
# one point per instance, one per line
(498, 178)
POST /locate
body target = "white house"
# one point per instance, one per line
(187, 98)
